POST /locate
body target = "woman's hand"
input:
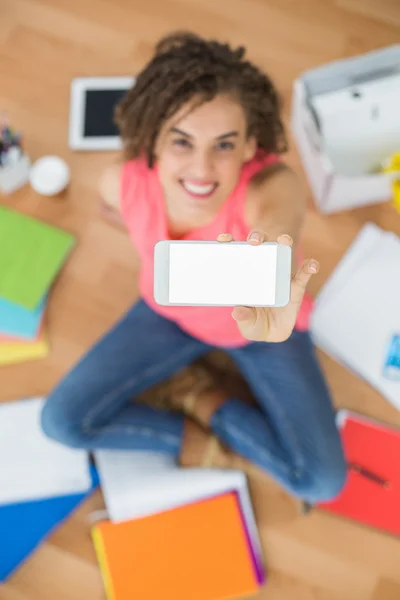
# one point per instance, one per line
(273, 324)
(111, 214)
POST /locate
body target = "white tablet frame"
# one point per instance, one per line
(79, 87)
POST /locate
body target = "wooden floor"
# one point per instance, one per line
(43, 45)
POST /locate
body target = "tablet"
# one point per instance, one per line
(92, 104)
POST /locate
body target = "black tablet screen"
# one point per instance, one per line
(99, 112)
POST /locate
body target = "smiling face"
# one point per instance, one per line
(199, 155)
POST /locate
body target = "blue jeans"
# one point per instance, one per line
(291, 434)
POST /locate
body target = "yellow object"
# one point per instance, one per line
(393, 166)
(103, 563)
(12, 352)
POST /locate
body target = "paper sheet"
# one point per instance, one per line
(136, 484)
(355, 323)
(31, 465)
(31, 255)
(18, 321)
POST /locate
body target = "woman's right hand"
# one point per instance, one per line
(109, 193)
(111, 214)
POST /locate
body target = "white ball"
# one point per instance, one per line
(49, 175)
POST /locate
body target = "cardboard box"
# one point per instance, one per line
(332, 192)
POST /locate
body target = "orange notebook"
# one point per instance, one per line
(198, 551)
(375, 447)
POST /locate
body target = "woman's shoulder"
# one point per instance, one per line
(264, 171)
(109, 185)
(135, 167)
(267, 185)
(133, 173)
(262, 165)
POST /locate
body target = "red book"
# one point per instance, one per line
(372, 498)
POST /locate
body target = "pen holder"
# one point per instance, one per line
(15, 176)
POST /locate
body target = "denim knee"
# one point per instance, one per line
(58, 427)
(322, 483)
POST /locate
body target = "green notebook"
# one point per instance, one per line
(31, 254)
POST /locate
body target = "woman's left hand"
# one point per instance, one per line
(273, 324)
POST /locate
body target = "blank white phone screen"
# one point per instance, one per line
(225, 274)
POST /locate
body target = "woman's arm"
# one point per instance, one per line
(109, 191)
(276, 203)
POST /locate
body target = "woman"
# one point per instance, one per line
(202, 136)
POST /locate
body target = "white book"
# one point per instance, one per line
(360, 310)
(138, 484)
(33, 467)
(363, 244)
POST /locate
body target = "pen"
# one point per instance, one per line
(10, 143)
(369, 475)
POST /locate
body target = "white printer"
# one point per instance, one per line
(346, 123)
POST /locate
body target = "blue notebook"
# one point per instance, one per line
(23, 526)
(19, 321)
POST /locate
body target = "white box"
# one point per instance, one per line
(334, 192)
(15, 176)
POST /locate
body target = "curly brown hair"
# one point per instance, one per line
(186, 68)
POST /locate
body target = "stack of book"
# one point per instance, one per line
(32, 254)
(167, 532)
(357, 313)
(41, 482)
(175, 533)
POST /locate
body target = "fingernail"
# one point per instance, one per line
(314, 267)
(255, 237)
(288, 237)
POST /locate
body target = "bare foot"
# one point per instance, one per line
(195, 393)
(201, 448)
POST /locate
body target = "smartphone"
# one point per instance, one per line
(191, 273)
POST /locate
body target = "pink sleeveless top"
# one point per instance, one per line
(143, 209)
